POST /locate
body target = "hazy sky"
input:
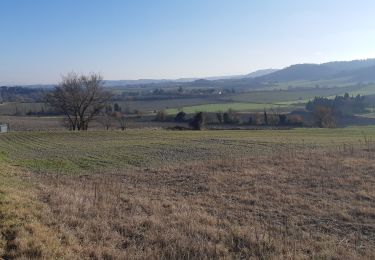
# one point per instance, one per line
(131, 39)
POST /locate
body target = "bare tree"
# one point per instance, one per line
(265, 116)
(324, 117)
(106, 119)
(161, 115)
(80, 98)
(121, 119)
(273, 117)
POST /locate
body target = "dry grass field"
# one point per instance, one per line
(292, 194)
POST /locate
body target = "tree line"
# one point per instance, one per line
(326, 111)
(22, 94)
(340, 105)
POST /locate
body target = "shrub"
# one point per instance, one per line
(250, 121)
(138, 113)
(230, 117)
(324, 117)
(161, 116)
(226, 118)
(265, 117)
(116, 107)
(273, 119)
(198, 121)
(282, 119)
(121, 119)
(106, 119)
(257, 119)
(219, 117)
(295, 120)
(108, 109)
(180, 117)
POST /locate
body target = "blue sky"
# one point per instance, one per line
(129, 39)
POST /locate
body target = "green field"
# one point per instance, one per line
(277, 96)
(325, 83)
(71, 152)
(222, 107)
(254, 100)
(367, 90)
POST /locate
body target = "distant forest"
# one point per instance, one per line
(22, 94)
(340, 105)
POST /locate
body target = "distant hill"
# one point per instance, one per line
(195, 81)
(341, 66)
(119, 83)
(346, 72)
(358, 70)
(260, 73)
(298, 72)
(254, 74)
(366, 74)
(331, 74)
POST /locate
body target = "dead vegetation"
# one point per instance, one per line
(23, 231)
(290, 204)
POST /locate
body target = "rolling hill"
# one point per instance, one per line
(357, 71)
(327, 75)
(205, 80)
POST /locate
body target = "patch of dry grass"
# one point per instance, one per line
(23, 232)
(307, 204)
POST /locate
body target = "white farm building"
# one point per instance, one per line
(4, 128)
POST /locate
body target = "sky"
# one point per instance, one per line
(41, 40)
